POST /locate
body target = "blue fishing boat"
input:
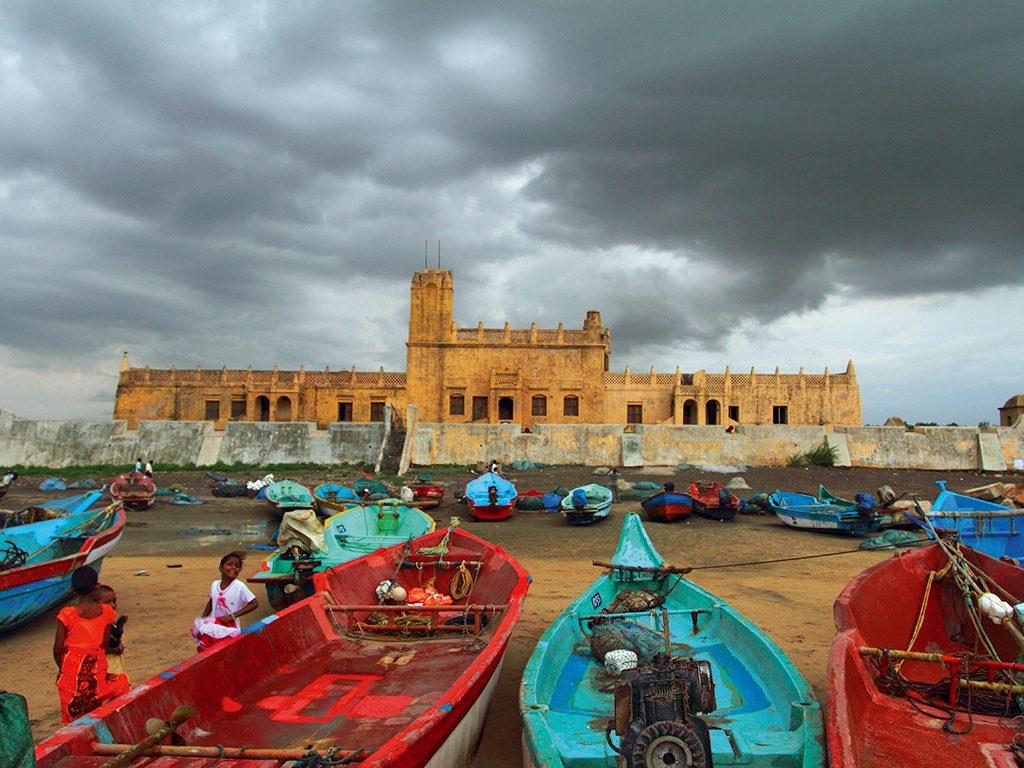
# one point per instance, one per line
(988, 527)
(587, 504)
(802, 510)
(36, 560)
(336, 497)
(490, 496)
(309, 548)
(704, 685)
(69, 505)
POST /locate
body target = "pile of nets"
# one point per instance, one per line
(612, 635)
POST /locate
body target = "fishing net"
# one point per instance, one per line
(627, 635)
(15, 736)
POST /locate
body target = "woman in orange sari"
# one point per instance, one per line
(83, 631)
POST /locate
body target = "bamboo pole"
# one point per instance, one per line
(131, 751)
(453, 608)
(230, 753)
(975, 514)
(661, 569)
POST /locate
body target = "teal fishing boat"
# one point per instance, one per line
(345, 536)
(704, 685)
(587, 504)
(287, 494)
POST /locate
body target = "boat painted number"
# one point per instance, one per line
(596, 601)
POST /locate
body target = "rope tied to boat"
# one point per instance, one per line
(12, 556)
(462, 583)
(441, 549)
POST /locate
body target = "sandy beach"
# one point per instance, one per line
(162, 570)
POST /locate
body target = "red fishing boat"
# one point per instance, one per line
(350, 672)
(134, 490)
(714, 501)
(910, 680)
(426, 494)
(667, 506)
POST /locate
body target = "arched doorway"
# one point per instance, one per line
(505, 410)
(690, 412)
(262, 408)
(283, 409)
(712, 412)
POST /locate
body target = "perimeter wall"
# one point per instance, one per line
(67, 443)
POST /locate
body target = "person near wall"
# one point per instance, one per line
(613, 484)
(79, 649)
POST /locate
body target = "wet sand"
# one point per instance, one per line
(162, 576)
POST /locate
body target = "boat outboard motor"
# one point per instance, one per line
(724, 498)
(492, 495)
(579, 500)
(655, 714)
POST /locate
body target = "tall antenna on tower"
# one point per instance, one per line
(438, 254)
(424, 254)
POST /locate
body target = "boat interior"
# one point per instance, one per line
(326, 672)
(898, 608)
(761, 709)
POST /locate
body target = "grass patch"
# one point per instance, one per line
(823, 455)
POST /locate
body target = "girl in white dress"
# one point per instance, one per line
(229, 599)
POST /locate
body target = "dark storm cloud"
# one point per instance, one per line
(238, 182)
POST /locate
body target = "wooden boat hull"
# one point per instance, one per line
(597, 507)
(319, 674)
(287, 494)
(707, 501)
(666, 507)
(491, 511)
(483, 505)
(715, 511)
(426, 495)
(334, 498)
(867, 728)
(991, 528)
(349, 534)
(766, 714)
(801, 510)
(29, 591)
(137, 492)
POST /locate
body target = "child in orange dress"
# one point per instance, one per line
(83, 631)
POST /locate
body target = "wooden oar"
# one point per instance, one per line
(178, 716)
(643, 568)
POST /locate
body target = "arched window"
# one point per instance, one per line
(539, 406)
(571, 406)
(263, 408)
(457, 405)
(283, 409)
(712, 412)
(690, 412)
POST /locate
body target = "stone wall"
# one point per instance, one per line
(67, 443)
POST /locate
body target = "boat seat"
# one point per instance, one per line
(418, 619)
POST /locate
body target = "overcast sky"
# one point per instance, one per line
(743, 184)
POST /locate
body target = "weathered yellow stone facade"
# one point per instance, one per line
(525, 376)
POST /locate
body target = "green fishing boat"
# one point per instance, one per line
(288, 572)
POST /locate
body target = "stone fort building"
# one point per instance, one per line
(489, 375)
